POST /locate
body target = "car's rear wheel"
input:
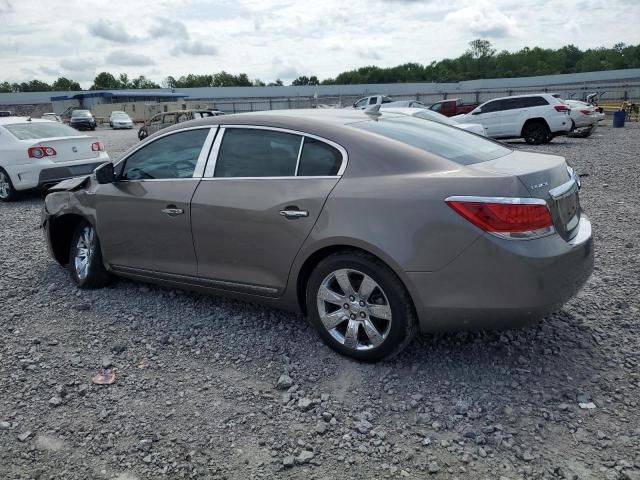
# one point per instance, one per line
(535, 133)
(7, 192)
(85, 258)
(359, 307)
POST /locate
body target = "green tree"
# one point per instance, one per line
(143, 82)
(105, 81)
(63, 84)
(6, 87)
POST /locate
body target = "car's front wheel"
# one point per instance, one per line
(359, 307)
(85, 258)
(7, 192)
(142, 134)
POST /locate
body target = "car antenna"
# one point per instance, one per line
(373, 111)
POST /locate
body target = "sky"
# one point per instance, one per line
(269, 39)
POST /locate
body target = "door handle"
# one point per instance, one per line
(172, 210)
(291, 213)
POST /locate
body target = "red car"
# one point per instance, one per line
(451, 107)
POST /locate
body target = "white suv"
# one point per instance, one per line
(536, 118)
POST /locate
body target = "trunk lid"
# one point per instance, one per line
(547, 177)
(68, 149)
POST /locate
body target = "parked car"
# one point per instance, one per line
(82, 120)
(374, 227)
(166, 119)
(36, 153)
(405, 104)
(119, 119)
(366, 102)
(584, 118)
(427, 114)
(536, 118)
(452, 107)
(51, 116)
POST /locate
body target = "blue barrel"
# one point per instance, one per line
(618, 119)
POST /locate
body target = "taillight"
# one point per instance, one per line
(512, 218)
(586, 112)
(97, 147)
(40, 152)
(561, 108)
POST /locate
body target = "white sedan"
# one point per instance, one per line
(120, 120)
(37, 153)
(584, 118)
(427, 114)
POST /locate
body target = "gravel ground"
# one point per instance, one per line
(210, 388)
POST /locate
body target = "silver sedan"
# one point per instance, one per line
(375, 226)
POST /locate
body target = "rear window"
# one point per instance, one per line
(33, 131)
(81, 113)
(448, 142)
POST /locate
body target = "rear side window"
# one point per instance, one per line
(448, 142)
(35, 130)
(249, 152)
(319, 159)
(534, 101)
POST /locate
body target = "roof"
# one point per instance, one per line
(119, 93)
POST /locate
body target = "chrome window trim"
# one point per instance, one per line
(213, 154)
(270, 178)
(506, 200)
(198, 172)
(295, 174)
(142, 144)
(213, 157)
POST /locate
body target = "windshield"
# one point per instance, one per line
(81, 113)
(435, 117)
(443, 140)
(36, 130)
(120, 115)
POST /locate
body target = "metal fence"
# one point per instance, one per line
(607, 93)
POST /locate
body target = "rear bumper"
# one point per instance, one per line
(499, 283)
(38, 175)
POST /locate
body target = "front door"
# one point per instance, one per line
(258, 202)
(144, 218)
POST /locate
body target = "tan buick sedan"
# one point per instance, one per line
(373, 225)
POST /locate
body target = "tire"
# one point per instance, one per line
(7, 192)
(360, 335)
(534, 133)
(90, 273)
(142, 134)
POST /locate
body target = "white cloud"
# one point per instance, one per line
(109, 31)
(483, 19)
(160, 38)
(193, 47)
(128, 59)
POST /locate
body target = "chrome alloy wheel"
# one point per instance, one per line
(354, 309)
(5, 187)
(84, 252)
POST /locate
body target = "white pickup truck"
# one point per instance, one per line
(366, 102)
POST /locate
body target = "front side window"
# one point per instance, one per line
(436, 107)
(173, 156)
(318, 159)
(361, 103)
(169, 118)
(246, 152)
(156, 119)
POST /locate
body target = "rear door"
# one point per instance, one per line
(262, 193)
(144, 220)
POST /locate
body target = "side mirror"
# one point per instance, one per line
(105, 173)
(476, 111)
